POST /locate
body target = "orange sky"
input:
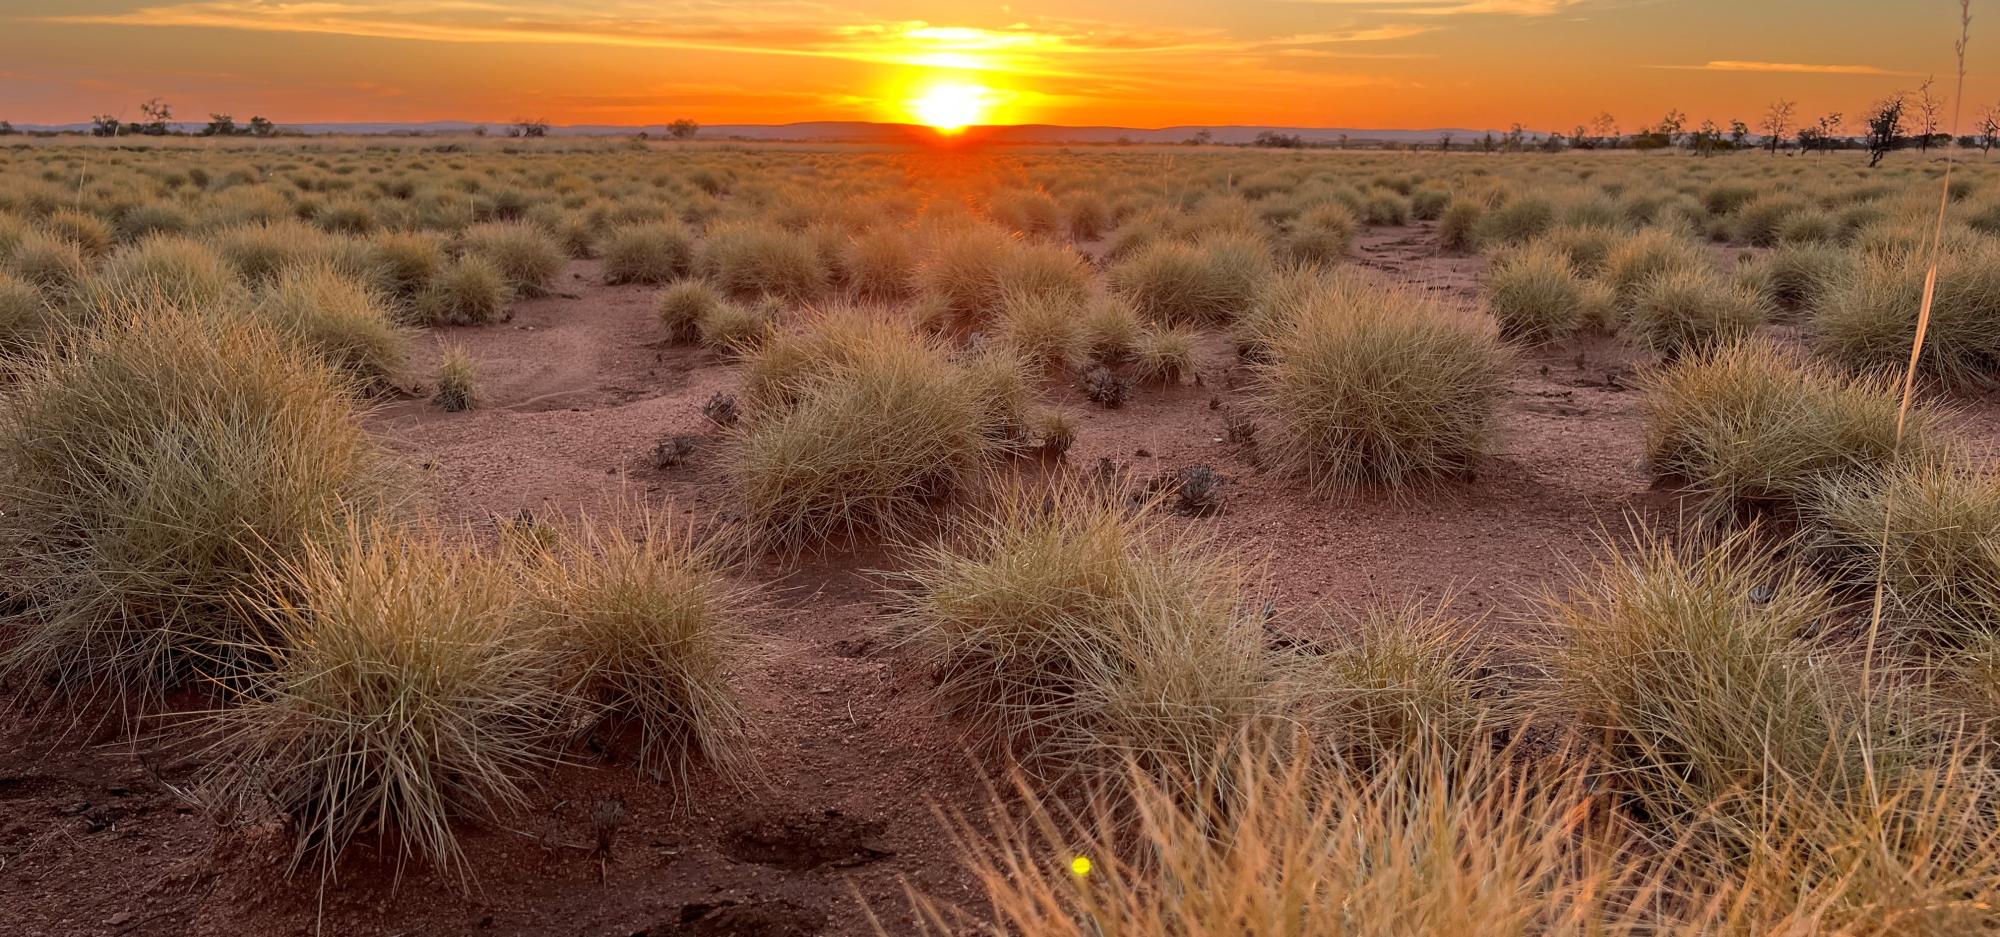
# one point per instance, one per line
(1141, 63)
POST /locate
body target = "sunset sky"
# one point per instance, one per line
(1142, 63)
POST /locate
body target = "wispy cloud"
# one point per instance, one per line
(1795, 68)
(1453, 7)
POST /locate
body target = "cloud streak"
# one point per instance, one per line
(1788, 68)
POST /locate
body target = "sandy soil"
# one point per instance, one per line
(851, 763)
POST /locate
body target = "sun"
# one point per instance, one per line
(950, 107)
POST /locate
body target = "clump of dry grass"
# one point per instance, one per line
(1941, 571)
(1868, 319)
(1538, 297)
(1380, 386)
(1692, 311)
(1046, 330)
(341, 319)
(27, 320)
(648, 252)
(1323, 234)
(1458, 226)
(457, 385)
(737, 328)
(852, 440)
(166, 271)
(1394, 680)
(406, 263)
(649, 628)
(1426, 844)
(685, 305)
(1081, 634)
(469, 291)
(155, 470)
(1164, 355)
(1212, 281)
(878, 263)
(1111, 330)
(1753, 428)
(1801, 276)
(53, 266)
(87, 231)
(526, 256)
(408, 689)
(1516, 221)
(1636, 261)
(759, 259)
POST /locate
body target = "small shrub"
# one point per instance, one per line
(1106, 388)
(457, 381)
(1375, 386)
(650, 252)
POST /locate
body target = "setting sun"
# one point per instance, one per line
(953, 106)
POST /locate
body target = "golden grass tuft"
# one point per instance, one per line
(155, 470)
(339, 318)
(409, 690)
(1754, 428)
(649, 628)
(1368, 386)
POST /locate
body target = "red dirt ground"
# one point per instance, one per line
(851, 764)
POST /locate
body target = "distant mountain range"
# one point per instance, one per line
(867, 132)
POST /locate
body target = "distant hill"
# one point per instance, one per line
(867, 132)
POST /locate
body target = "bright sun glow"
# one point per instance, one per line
(953, 106)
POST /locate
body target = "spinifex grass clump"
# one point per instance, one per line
(1209, 282)
(26, 318)
(1752, 428)
(408, 689)
(1801, 276)
(457, 381)
(341, 319)
(1082, 634)
(528, 258)
(752, 259)
(470, 291)
(1692, 670)
(1323, 234)
(1691, 311)
(851, 440)
(1373, 386)
(1868, 319)
(1045, 330)
(153, 473)
(685, 306)
(1395, 680)
(650, 628)
(1638, 260)
(1537, 296)
(651, 252)
(1426, 844)
(1941, 571)
(163, 271)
